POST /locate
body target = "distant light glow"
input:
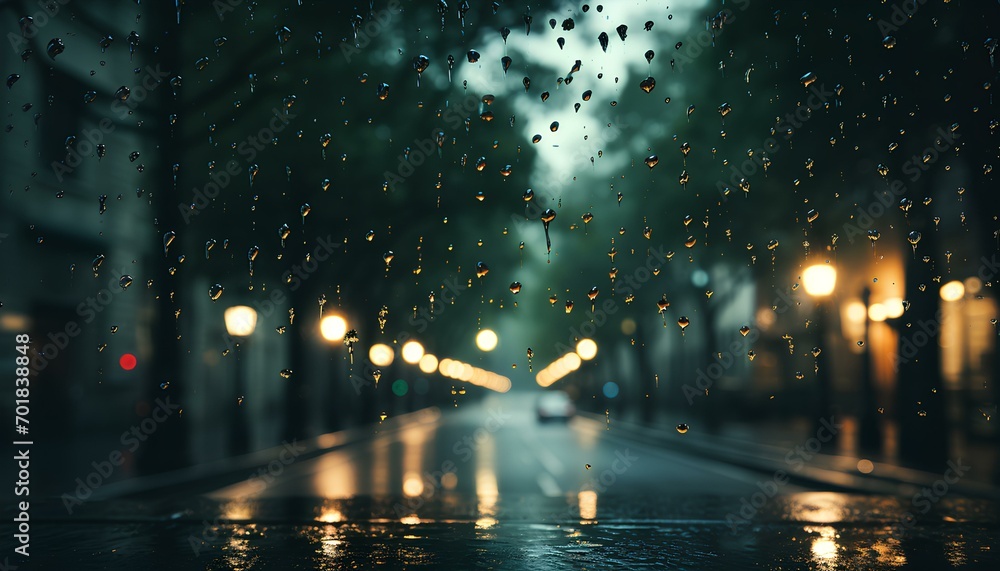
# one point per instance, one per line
(893, 307)
(586, 349)
(877, 312)
(856, 312)
(610, 389)
(400, 388)
(952, 291)
(412, 485)
(449, 480)
(973, 285)
(240, 320)
(628, 326)
(699, 278)
(865, 466)
(127, 361)
(428, 363)
(381, 355)
(486, 340)
(765, 317)
(14, 322)
(333, 327)
(819, 280)
(412, 351)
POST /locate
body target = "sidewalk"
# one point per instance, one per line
(204, 477)
(791, 447)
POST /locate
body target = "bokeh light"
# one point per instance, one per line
(127, 361)
(412, 351)
(333, 327)
(586, 349)
(486, 340)
(381, 355)
(952, 291)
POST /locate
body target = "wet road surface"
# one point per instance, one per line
(485, 486)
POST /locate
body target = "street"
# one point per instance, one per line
(484, 485)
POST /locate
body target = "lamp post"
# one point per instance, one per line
(333, 329)
(869, 431)
(819, 282)
(241, 321)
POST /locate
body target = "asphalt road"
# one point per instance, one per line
(485, 486)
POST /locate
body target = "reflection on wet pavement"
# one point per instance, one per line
(487, 487)
(801, 531)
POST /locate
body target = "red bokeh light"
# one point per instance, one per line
(127, 361)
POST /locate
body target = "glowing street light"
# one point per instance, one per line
(586, 349)
(412, 351)
(486, 340)
(428, 363)
(819, 280)
(241, 320)
(953, 291)
(877, 312)
(893, 307)
(381, 355)
(333, 327)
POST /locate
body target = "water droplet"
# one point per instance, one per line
(168, 239)
(215, 292)
(55, 47)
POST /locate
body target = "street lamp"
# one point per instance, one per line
(241, 321)
(586, 349)
(869, 431)
(381, 355)
(412, 351)
(428, 363)
(819, 281)
(333, 328)
(953, 291)
(486, 340)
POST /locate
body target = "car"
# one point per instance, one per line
(554, 405)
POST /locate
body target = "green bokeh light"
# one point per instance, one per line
(400, 387)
